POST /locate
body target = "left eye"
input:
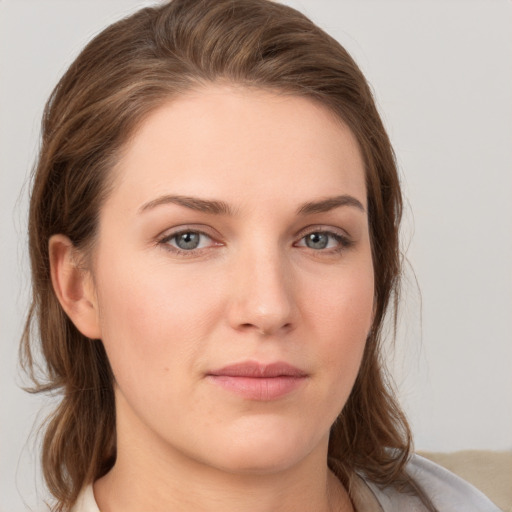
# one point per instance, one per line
(188, 240)
(321, 240)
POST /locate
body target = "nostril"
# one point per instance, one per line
(265, 331)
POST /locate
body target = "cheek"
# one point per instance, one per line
(341, 315)
(344, 304)
(153, 322)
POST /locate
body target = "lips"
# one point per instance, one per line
(260, 382)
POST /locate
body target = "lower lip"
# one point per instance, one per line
(259, 388)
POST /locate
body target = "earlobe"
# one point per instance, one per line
(73, 286)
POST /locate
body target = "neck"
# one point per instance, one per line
(129, 491)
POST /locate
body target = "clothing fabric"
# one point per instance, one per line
(448, 492)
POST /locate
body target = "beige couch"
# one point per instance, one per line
(491, 472)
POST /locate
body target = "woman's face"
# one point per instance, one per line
(234, 279)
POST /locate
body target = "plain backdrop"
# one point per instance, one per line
(442, 75)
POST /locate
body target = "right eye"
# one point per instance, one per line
(187, 241)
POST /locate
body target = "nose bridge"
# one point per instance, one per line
(263, 296)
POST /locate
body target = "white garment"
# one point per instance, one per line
(448, 493)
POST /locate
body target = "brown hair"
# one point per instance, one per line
(122, 75)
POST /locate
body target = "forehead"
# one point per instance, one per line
(240, 143)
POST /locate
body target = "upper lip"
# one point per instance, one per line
(259, 370)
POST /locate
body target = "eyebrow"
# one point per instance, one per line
(328, 204)
(222, 208)
(194, 203)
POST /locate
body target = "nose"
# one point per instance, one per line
(263, 299)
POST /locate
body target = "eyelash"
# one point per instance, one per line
(343, 242)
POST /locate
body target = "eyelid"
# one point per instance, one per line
(322, 228)
(185, 228)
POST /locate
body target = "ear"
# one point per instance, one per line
(74, 286)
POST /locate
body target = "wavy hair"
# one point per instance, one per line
(121, 76)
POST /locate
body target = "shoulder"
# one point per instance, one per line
(448, 492)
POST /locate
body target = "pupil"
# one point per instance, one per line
(317, 240)
(187, 240)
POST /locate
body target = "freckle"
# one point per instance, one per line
(166, 369)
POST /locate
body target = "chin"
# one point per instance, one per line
(264, 451)
(255, 462)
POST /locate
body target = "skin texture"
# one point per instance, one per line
(253, 290)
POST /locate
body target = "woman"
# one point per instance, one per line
(214, 246)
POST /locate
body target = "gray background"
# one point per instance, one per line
(442, 74)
